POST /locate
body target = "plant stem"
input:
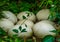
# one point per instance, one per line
(0, 40)
(42, 3)
(34, 39)
(24, 39)
(46, 4)
(38, 40)
(11, 40)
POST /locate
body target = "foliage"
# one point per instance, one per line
(34, 6)
(2, 32)
(48, 38)
(22, 30)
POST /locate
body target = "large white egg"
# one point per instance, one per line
(9, 15)
(41, 29)
(26, 15)
(5, 24)
(43, 14)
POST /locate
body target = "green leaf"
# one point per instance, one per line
(52, 16)
(2, 32)
(15, 30)
(20, 28)
(17, 40)
(48, 38)
(23, 30)
(15, 35)
(25, 25)
(24, 17)
(54, 31)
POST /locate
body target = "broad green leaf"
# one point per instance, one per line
(15, 30)
(54, 31)
(23, 30)
(50, 2)
(2, 32)
(20, 28)
(48, 38)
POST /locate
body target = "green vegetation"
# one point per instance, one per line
(34, 6)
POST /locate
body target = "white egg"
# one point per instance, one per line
(26, 15)
(43, 14)
(41, 29)
(25, 32)
(5, 24)
(9, 15)
(26, 22)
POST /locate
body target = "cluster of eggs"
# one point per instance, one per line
(25, 24)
